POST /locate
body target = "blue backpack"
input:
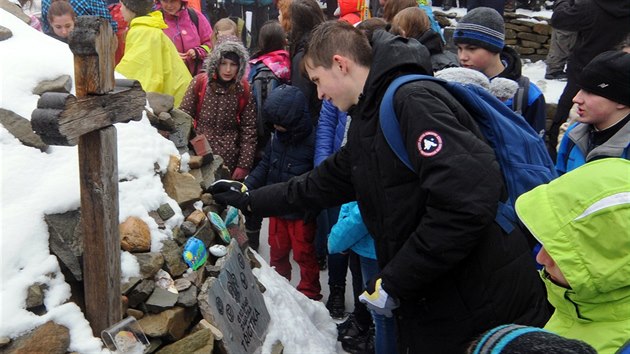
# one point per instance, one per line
(521, 153)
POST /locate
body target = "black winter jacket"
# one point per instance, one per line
(440, 58)
(534, 109)
(600, 24)
(457, 274)
(303, 83)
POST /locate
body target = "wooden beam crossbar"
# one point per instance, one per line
(60, 118)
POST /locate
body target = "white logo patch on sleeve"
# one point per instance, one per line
(429, 143)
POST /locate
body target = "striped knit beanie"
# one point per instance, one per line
(483, 27)
(527, 340)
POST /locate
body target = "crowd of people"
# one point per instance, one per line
(293, 109)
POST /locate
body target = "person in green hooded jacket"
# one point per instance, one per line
(582, 220)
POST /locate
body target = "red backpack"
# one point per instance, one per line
(200, 88)
(114, 10)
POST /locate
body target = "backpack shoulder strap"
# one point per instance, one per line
(391, 130)
(388, 120)
(521, 97)
(193, 17)
(200, 89)
(242, 100)
(260, 95)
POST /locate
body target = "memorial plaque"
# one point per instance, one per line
(236, 305)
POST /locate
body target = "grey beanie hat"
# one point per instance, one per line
(139, 7)
(483, 27)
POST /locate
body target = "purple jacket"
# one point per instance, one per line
(184, 34)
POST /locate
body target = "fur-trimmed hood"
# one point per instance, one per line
(228, 44)
(499, 87)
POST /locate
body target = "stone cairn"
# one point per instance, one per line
(179, 322)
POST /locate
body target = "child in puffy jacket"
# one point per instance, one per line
(289, 153)
(220, 101)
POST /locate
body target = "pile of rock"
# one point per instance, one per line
(171, 302)
(529, 36)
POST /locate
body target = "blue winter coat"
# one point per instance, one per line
(351, 233)
(573, 151)
(330, 131)
(288, 154)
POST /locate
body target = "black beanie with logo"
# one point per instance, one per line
(608, 75)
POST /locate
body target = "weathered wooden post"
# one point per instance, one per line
(87, 120)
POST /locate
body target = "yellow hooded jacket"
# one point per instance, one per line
(152, 59)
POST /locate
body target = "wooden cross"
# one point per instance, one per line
(87, 120)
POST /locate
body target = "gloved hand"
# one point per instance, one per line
(240, 174)
(231, 193)
(378, 300)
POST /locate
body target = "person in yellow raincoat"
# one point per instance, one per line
(150, 56)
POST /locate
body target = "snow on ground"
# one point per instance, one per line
(302, 325)
(35, 183)
(552, 89)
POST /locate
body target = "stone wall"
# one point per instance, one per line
(529, 36)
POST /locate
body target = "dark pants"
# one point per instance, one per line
(260, 15)
(384, 327)
(253, 224)
(561, 44)
(361, 313)
(331, 6)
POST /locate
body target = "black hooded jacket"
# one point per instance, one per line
(290, 153)
(533, 110)
(303, 83)
(455, 271)
(600, 24)
(513, 66)
(440, 58)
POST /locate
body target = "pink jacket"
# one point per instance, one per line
(184, 34)
(278, 62)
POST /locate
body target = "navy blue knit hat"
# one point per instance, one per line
(287, 106)
(527, 340)
(483, 27)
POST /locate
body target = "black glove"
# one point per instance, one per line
(232, 193)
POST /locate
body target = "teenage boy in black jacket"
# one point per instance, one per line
(449, 272)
